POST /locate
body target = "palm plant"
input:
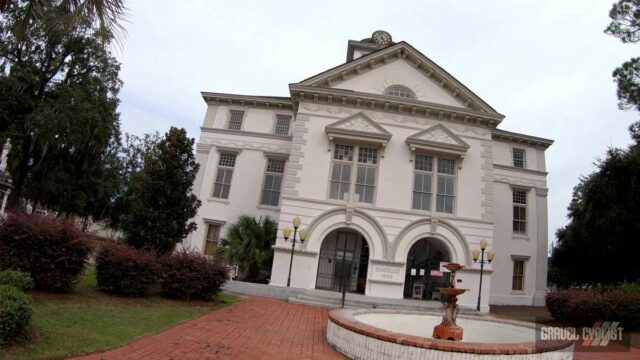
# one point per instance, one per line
(107, 15)
(248, 243)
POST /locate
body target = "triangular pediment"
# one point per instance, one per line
(401, 64)
(359, 125)
(437, 136)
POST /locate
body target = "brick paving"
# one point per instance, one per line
(261, 328)
(254, 328)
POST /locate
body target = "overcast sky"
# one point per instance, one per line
(546, 65)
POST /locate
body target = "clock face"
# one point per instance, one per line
(381, 37)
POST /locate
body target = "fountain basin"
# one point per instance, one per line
(391, 334)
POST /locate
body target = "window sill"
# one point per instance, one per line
(520, 237)
(219, 200)
(268, 207)
(518, 292)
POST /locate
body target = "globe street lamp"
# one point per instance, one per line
(286, 232)
(480, 254)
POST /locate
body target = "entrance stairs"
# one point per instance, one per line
(333, 300)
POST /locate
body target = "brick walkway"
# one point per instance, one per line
(254, 328)
(260, 328)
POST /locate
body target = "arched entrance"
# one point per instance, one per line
(423, 273)
(344, 259)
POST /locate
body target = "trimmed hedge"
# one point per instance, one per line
(192, 276)
(584, 307)
(124, 270)
(18, 279)
(15, 313)
(53, 251)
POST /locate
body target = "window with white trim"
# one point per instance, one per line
(235, 119)
(423, 182)
(222, 184)
(342, 182)
(283, 122)
(519, 211)
(519, 159)
(445, 189)
(399, 91)
(517, 282)
(272, 182)
(212, 239)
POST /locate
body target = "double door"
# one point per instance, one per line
(343, 262)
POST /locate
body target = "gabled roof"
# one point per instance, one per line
(408, 53)
(358, 125)
(438, 137)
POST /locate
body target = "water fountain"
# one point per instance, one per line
(399, 334)
(448, 329)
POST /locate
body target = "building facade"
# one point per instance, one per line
(394, 168)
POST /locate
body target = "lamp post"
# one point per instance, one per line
(286, 232)
(480, 254)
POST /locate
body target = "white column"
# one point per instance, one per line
(542, 247)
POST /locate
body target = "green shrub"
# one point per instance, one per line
(52, 250)
(18, 279)
(15, 313)
(124, 270)
(584, 307)
(192, 276)
(633, 288)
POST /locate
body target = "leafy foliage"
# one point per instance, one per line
(15, 313)
(604, 225)
(192, 276)
(158, 201)
(58, 107)
(248, 243)
(52, 250)
(125, 270)
(18, 279)
(625, 25)
(583, 308)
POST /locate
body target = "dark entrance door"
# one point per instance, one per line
(422, 277)
(344, 258)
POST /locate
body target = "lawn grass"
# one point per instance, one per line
(87, 320)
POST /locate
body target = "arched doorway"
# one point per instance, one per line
(344, 259)
(423, 273)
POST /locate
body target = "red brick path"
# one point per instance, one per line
(254, 328)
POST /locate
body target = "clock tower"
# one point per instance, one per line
(378, 40)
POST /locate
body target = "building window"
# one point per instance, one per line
(519, 158)
(235, 119)
(272, 182)
(519, 211)
(365, 176)
(400, 92)
(517, 283)
(223, 178)
(213, 237)
(282, 124)
(422, 182)
(446, 186)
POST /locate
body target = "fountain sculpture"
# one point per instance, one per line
(448, 329)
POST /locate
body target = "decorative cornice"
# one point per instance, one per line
(366, 129)
(522, 170)
(503, 135)
(374, 102)
(406, 52)
(297, 250)
(519, 182)
(239, 144)
(449, 143)
(246, 133)
(268, 102)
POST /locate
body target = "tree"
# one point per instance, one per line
(105, 16)
(625, 25)
(248, 243)
(58, 107)
(159, 202)
(599, 245)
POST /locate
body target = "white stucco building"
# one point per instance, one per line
(394, 167)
